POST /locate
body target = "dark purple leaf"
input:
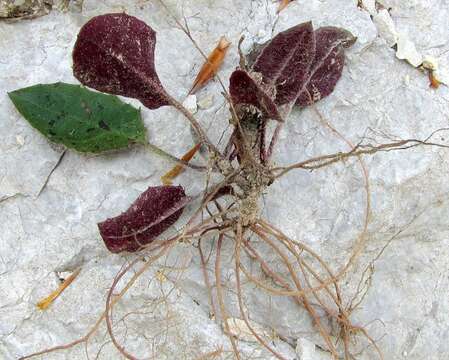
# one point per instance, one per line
(152, 213)
(326, 67)
(114, 53)
(328, 64)
(285, 62)
(245, 90)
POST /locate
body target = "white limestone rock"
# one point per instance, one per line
(205, 102)
(386, 27)
(50, 231)
(370, 6)
(407, 51)
(190, 103)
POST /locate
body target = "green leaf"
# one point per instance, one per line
(80, 119)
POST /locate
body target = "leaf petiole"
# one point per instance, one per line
(181, 162)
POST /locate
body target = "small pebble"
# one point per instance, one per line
(20, 140)
(407, 51)
(386, 27)
(206, 102)
(190, 104)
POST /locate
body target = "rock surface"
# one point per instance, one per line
(50, 201)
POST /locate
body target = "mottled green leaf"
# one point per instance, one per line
(79, 118)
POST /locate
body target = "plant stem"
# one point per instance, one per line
(196, 126)
(157, 150)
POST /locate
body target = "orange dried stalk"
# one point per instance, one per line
(45, 303)
(283, 5)
(210, 67)
(434, 83)
(178, 169)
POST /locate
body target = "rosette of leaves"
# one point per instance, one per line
(114, 53)
(298, 66)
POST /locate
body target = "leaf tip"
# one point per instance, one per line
(12, 94)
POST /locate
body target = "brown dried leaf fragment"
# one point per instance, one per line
(211, 66)
(434, 82)
(45, 303)
(282, 5)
